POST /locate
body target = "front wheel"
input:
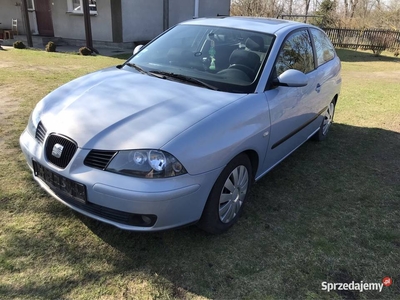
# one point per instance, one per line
(326, 122)
(225, 202)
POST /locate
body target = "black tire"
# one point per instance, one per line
(326, 123)
(214, 218)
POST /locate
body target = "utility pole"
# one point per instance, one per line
(88, 26)
(196, 9)
(26, 23)
(165, 14)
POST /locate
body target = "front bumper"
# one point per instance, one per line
(114, 198)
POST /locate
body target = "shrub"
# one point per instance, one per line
(51, 47)
(19, 45)
(85, 51)
(380, 42)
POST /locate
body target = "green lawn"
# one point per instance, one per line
(330, 212)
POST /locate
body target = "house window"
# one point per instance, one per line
(76, 6)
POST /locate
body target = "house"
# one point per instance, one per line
(112, 21)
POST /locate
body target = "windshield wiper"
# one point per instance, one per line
(138, 68)
(143, 71)
(168, 75)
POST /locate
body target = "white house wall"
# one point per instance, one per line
(143, 19)
(211, 8)
(180, 10)
(9, 11)
(71, 26)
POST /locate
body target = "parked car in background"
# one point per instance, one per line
(178, 133)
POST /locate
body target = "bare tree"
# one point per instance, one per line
(248, 8)
(350, 7)
(307, 7)
(348, 13)
(290, 11)
(346, 8)
(257, 8)
(353, 6)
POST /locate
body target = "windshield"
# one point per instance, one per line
(228, 59)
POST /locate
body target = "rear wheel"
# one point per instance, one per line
(326, 122)
(225, 202)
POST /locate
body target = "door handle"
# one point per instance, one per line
(318, 88)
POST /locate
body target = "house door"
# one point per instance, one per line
(43, 16)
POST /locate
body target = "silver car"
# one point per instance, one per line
(178, 133)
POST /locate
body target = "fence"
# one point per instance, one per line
(364, 39)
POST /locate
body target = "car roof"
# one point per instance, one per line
(267, 25)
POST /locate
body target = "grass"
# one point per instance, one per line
(327, 213)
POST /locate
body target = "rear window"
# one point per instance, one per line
(323, 46)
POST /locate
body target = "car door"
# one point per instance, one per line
(293, 110)
(328, 67)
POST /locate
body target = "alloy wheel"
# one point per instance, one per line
(328, 118)
(233, 193)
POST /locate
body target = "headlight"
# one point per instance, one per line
(146, 164)
(34, 120)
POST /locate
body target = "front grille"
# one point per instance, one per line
(60, 150)
(99, 159)
(40, 133)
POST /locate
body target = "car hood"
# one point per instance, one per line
(122, 109)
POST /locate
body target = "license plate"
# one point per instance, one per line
(60, 184)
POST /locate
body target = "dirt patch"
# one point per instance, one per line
(6, 64)
(8, 109)
(7, 102)
(390, 75)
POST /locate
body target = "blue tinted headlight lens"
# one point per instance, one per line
(146, 164)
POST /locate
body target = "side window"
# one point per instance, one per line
(323, 47)
(296, 53)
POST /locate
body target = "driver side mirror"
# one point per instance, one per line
(291, 78)
(137, 49)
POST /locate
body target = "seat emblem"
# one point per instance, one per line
(57, 150)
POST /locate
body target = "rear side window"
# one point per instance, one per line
(296, 53)
(323, 46)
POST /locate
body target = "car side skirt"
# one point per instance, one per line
(277, 163)
(284, 139)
